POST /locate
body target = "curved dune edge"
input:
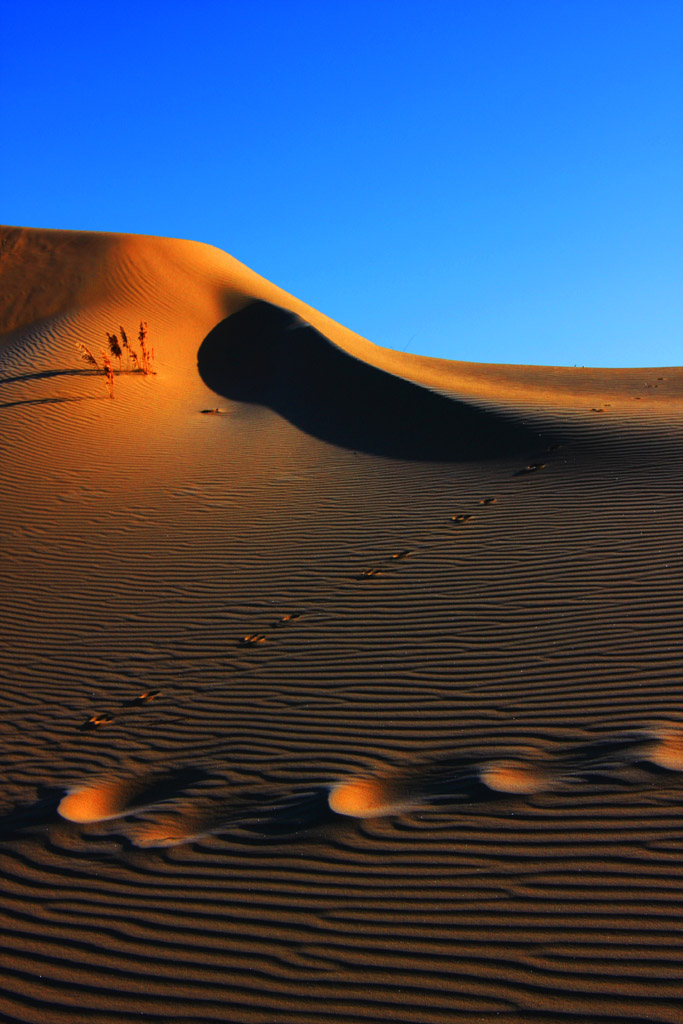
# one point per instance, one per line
(46, 273)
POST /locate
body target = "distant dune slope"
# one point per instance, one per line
(337, 684)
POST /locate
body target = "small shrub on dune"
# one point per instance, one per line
(86, 355)
(109, 373)
(137, 361)
(147, 359)
(115, 348)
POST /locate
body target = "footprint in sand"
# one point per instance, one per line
(252, 640)
(95, 722)
(104, 798)
(450, 780)
(401, 554)
(533, 467)
(144, 698)
(289, 617)
(462, 519)
(488, 501)
(368, 574)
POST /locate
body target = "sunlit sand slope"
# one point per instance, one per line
(338, 684)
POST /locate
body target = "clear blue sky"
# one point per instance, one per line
(495, 180)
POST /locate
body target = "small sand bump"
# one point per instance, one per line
(364, 798)
(96, 802)
(171, 829)
(511, 777)
(667, 752)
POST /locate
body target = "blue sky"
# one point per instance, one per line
(481, 180)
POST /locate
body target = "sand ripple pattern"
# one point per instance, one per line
(299, 732)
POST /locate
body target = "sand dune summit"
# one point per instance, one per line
(338, 684)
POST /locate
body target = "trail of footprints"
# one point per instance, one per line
(159, 811)
(153, 801)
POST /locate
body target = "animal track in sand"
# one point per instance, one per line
(95, 722)
(252, 640)
(285, 619)
(144, 698)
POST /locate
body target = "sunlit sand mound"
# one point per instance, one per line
(184, 824)
(106, 798)
(368, 797)
(513, 777)
(98, 801)
(666, 751)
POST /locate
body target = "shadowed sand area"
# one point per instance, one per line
(338, 684)
(267, 355)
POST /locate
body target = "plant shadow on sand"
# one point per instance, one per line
(267, 355)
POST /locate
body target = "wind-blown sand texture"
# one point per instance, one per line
(339, 684)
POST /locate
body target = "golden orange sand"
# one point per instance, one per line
(365, 798)
(667, 752)
(172, 828)
(507, 777)
(96, 802)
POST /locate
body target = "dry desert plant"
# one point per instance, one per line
(109, 373)
(147, 360)
(86, 355)
(115, 348)
(141, 361)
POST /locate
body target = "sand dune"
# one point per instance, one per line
(339, 684)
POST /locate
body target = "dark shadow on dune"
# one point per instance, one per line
(47, 374)
(267, 355)
(25, 816)
(301, 814)
(39, 401)
(168, 786)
